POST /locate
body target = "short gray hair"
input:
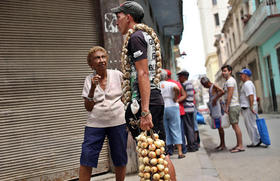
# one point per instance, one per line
(204, 80)
(163, 75)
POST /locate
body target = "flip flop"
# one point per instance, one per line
(181, 156)
(236, 150)
(219, 148)
(233, 148)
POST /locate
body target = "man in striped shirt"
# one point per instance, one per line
(189, 109)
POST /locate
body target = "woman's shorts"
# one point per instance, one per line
(93, 142)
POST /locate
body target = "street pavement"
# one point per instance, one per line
(261, 164)
(256, 164)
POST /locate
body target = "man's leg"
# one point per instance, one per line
(85, 173)
(190, 132)
(238, 135)
(120, 173)
(222, 138)
(184, 147)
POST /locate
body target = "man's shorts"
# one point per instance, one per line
(233, 115)
(93, 142)
(157, 112)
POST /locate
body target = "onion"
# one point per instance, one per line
(141, 174)
(156, 136)
(166, 170)
(165, 163)
(153, 161)
(160, 161)
(152, 147)
(141, 168)
(139, 143)
(147, 175)
(143, 138)
(162, 149)
(161, 174)
(162, 156)
(160, 167)
(158, 152)
(144, 145)
(157, 144)
(150, 141)
(147, 169)
(140, 159)
(146, 160)
(156, 176)
(152, 154)
(154, 169)
(166, 177)
(144, 152)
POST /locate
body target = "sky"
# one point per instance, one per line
(191, 42)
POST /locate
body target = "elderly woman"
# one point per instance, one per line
(102, 99)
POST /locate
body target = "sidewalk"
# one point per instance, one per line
(196, 166)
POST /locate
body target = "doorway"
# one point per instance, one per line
(271, 84)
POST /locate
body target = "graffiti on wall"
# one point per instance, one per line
(110, 23)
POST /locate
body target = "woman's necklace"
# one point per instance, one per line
(126, 69)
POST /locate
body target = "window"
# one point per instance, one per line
(217, 21)
(214, 2)
(253, 67)
(278, 57)
(234, 41)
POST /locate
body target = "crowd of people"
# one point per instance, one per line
(246, 104)
(166, 106)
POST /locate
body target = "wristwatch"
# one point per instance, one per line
(144, 114)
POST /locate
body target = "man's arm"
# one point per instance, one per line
(219, 92)
(251, 101)
(229, 96)
(183, 96)
(145, 91)
(176, 91)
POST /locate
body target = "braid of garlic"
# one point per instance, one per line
(126, 64)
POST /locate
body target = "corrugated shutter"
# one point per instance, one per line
(43, 49)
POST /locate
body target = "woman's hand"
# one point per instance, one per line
(95, 80)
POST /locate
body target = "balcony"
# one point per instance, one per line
(264, 22)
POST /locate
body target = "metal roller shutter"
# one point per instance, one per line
(43, 49)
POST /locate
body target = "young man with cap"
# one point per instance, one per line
(249, 107)
(232, 106)
(141, 52)
(183, 77)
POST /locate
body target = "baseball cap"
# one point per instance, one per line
(246, 72)
(130, 7)
(184, 73)
(168, 72)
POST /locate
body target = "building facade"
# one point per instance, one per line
(43, 50)
(263, 31)
(212, 16)
(249, 38)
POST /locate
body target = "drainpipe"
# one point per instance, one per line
(173, 64)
